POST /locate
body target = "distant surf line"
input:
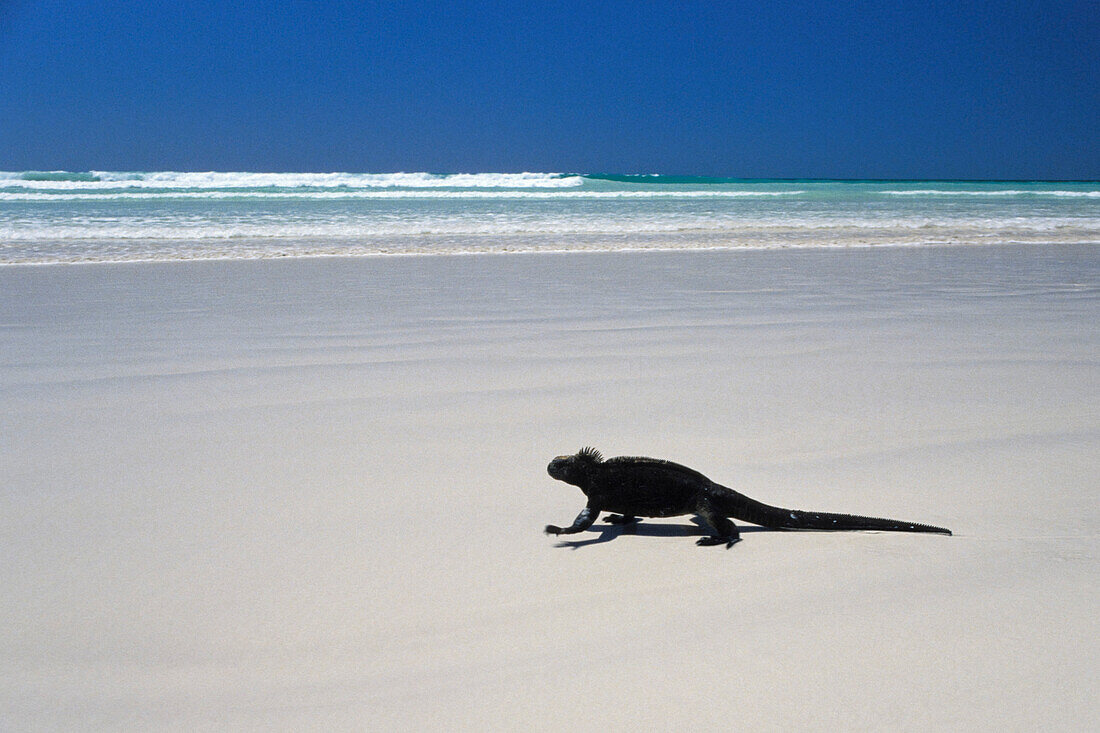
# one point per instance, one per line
(384, 194)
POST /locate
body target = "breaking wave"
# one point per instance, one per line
(230, 180)
(100, 216)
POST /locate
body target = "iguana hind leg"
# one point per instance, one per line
(725, 531)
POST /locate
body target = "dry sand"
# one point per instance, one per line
(309, 494)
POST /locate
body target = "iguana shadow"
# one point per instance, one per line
(608, 532)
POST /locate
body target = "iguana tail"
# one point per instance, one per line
(739, 506)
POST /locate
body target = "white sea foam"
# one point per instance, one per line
(228, 180)
(421, 193)
(996, 192)
(345, 228)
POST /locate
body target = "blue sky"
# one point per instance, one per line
(765, 89)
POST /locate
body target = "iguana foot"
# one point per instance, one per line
(551, 529)
(620, 519)
(727, 541)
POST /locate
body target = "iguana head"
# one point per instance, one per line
(574, 469)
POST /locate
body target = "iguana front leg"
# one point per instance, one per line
(583, 521)
(621, 519)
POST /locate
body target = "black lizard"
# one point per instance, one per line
(647, 487)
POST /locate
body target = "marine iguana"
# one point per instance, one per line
(648, 487)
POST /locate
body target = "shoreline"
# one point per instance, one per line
(578, 251)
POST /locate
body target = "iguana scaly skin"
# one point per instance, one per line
(635, 487)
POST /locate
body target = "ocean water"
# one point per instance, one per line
(101, 216)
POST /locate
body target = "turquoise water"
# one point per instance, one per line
(99, 216)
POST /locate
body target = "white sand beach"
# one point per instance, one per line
(308, 494)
